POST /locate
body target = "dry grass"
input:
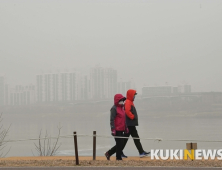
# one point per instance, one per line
(87, 161)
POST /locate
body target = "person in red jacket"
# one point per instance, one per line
(132, 122)
(118, 126)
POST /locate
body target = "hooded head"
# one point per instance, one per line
(130, 94)
(117, 98)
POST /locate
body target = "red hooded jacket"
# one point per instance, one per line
(117, 114)
(131, 113)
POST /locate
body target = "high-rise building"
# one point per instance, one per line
(110, 82)
(39, 88)
(84, 88)
(103, 82)
(47, 87)
(22, 95)
(187, 88)
(73, 86)
(2, 90)
(124, 86)
(69, 86)
(65, 86)
(175, 90)
(97, 82)
(57, 87)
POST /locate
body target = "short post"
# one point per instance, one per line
(191, 146)
(76, 148)
(94, 145)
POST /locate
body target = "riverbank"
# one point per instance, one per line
(101, 161)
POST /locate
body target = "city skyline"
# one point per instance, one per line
(72, 85)
(100, 83)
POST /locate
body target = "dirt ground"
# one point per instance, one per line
(101, 161)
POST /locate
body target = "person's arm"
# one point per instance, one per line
(128, 112)
(112, 118)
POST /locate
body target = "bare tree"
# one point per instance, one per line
(3, 134)
(45, 146)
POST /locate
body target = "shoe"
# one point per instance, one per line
(123, 156)
(144, 154)
(107, 156)
(147, 153)
(119, 159)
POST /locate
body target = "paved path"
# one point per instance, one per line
(109, 168)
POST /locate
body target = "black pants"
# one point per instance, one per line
(134, 134)
(118, 147)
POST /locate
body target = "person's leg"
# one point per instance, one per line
(119, 145)
(134, 134)
(124, 141)
(112, 151)
(126, 135)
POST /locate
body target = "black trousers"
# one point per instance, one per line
(118, 147)
(134, 134)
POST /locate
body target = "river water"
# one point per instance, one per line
(183, 125)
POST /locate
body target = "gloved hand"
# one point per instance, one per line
(113, 132)
(127, 130)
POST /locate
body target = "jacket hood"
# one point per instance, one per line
(117, 98)
(130, 94)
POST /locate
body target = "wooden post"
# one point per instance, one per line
(76, 148)
(94, 145)
(191, 146)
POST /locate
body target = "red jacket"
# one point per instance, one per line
(131, 113)
(117, 114)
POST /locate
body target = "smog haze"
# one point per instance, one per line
(152, 42)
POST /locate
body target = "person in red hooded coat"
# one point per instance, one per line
(118, 126)
(132, 122)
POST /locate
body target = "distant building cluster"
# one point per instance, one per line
(165, 90)
(68, 87)
(19, 95)
(101, 83)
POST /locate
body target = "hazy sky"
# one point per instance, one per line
(153, 42)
